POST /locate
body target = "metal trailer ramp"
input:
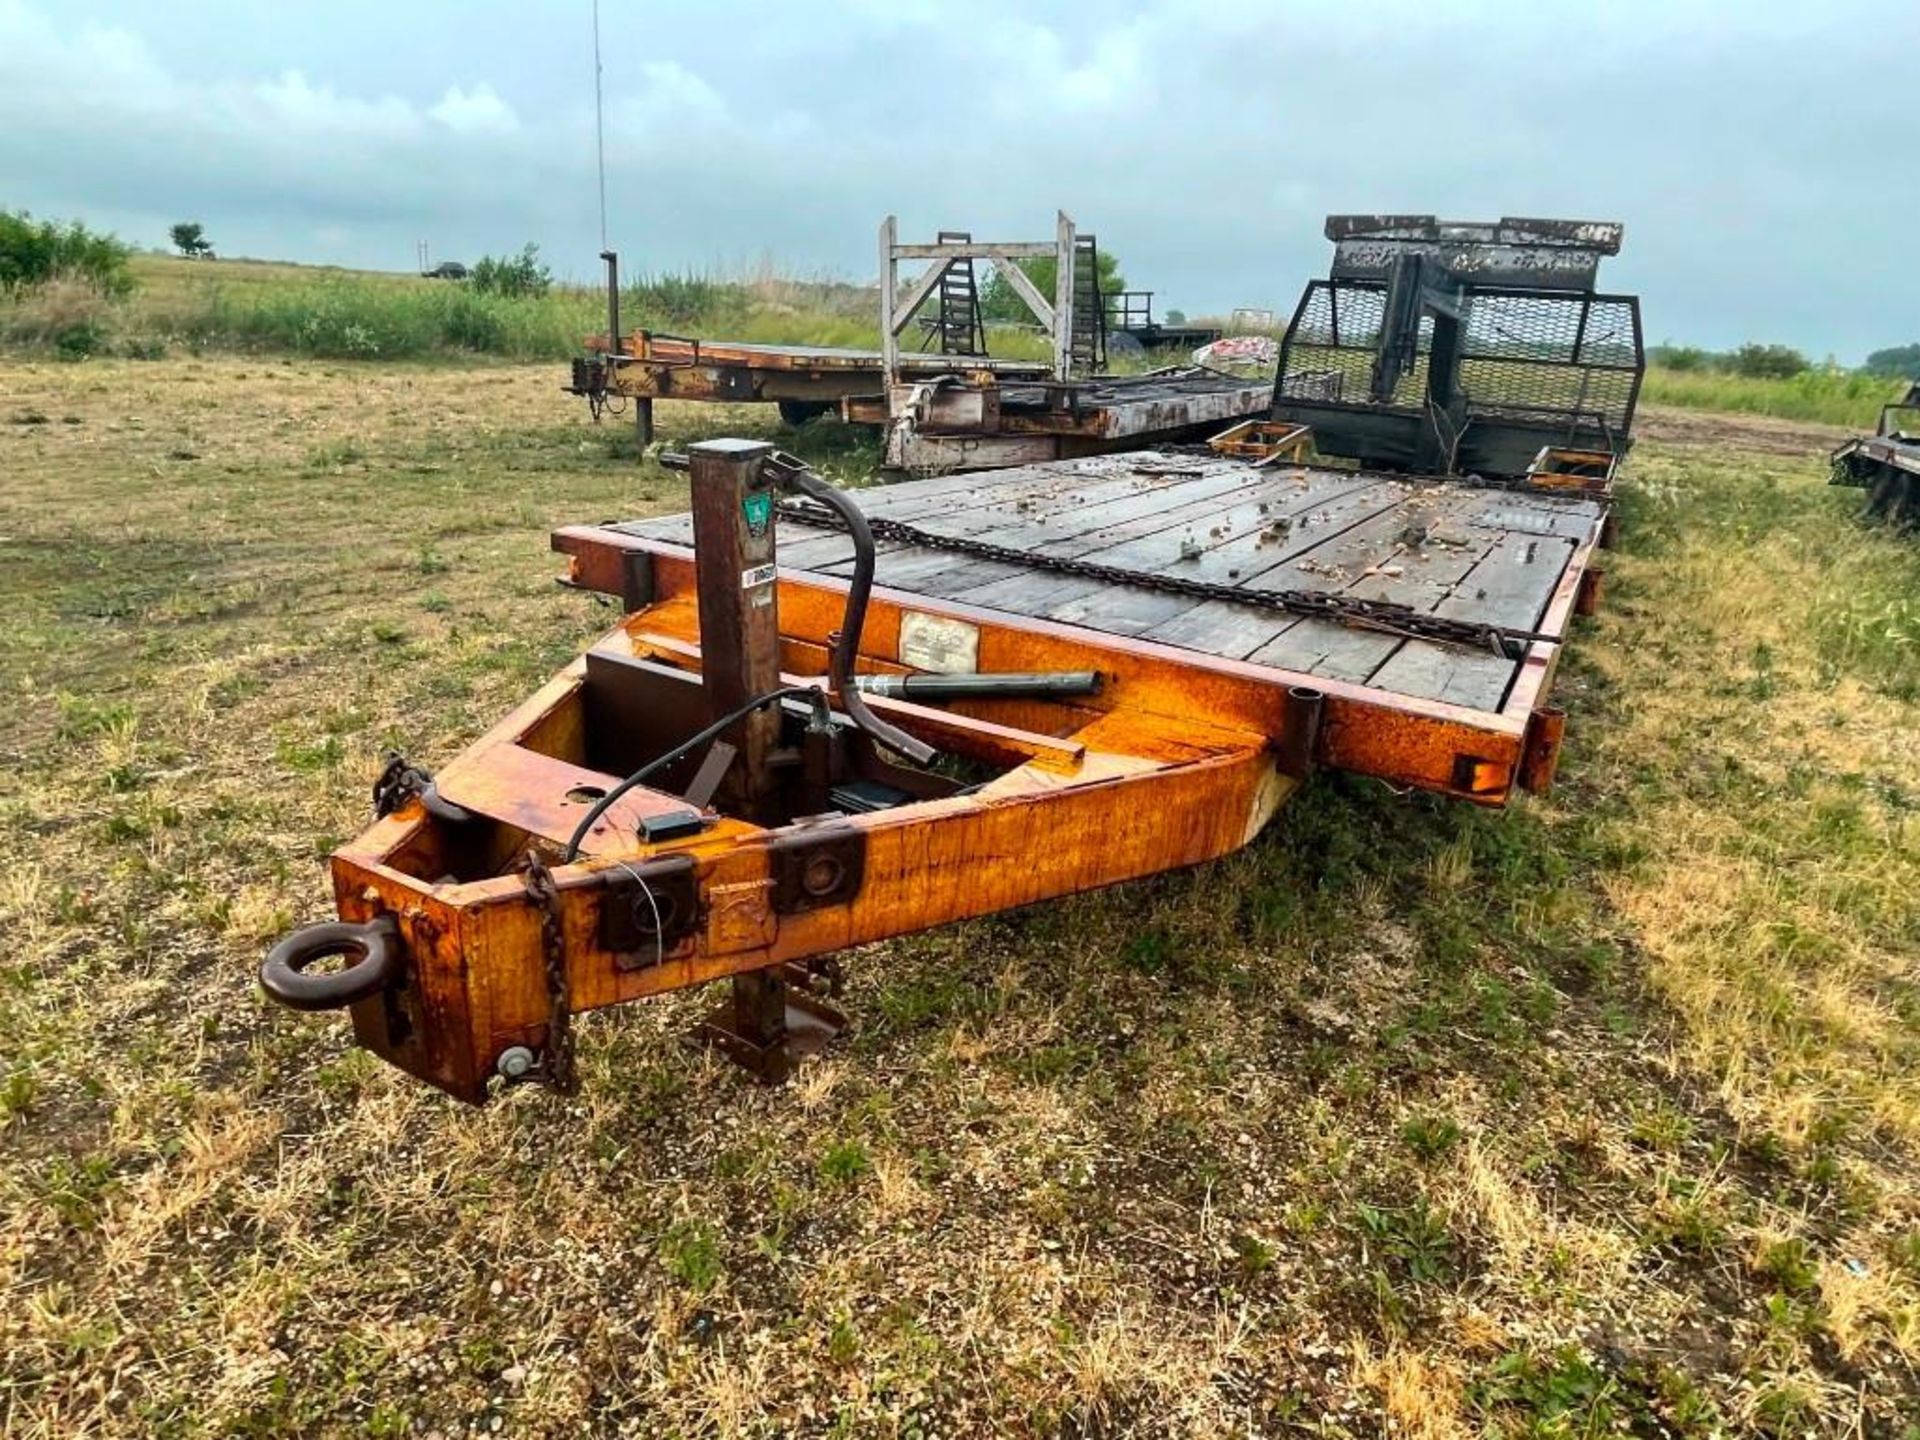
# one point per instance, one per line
(1449, 347)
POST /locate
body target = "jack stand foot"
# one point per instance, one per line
(768, 1024)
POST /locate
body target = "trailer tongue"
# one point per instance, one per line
(1133, 660)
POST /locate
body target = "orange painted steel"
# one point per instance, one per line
(1124, 795)
(1179, 758)
(1428, 744)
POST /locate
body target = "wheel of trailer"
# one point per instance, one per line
(1122, 346)
(798, 412)
(1903, 512)
(1881, 493)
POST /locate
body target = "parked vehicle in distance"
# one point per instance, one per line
(1886, 464)
(446, 270)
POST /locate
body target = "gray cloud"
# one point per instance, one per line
(1753, 156)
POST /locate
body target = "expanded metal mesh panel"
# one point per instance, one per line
(1332, 346)
(1528, 354)
(1532, 354)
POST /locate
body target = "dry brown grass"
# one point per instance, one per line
(1594, 1116)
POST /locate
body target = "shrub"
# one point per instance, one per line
(69, 315)
(520, 276)
(1768, 362)
(1900, 361)
(675, 299)
(36, 252)
(999, 301)
(1681, 357)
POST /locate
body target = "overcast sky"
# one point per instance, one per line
(1761, 155)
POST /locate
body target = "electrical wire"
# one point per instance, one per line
(659, 927)
(680, 751)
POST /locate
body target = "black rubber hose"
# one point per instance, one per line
(684, 748)
(840, 666)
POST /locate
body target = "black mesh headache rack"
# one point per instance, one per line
(1462, 348)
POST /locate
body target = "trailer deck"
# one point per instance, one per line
(1498, 556)
(959, 425)
(1886, 464)
(706, 794)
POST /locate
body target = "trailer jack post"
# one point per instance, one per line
(770, 1022)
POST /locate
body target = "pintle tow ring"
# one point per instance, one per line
(373, 951)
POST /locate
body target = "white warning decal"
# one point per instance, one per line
(936, 643)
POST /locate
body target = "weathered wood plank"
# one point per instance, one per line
(1467, 553)
(1446, 672)
(1512, 583)
(1250, 539)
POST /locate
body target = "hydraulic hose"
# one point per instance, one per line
(793, 474)
(840, 665)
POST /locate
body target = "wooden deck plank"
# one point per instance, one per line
(1006, 506)
(971, 489)
(1446, 672)
(1149, 544)
(1463, 552)
(1510, 585)
(1361, 564)
(1249, 540)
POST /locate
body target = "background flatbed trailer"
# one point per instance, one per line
(804, 380)
(960, 408)
(1886, 464)
(1018, 421)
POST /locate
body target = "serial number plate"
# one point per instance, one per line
(938, 644)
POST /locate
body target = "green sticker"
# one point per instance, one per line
(759, 511)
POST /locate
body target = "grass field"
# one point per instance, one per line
(1596, 1116)
(253, 307)
(265, 308)
(1828, 397)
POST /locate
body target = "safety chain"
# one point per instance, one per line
(399, 782)
(557, 1069)
(1384, 616)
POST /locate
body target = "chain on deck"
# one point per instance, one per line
(1385, 617)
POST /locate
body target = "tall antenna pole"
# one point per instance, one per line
(599, 126)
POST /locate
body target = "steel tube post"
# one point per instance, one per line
(642, 409)
(733, 505)
(889, 279)
(1063, 297)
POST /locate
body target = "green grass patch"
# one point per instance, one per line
(1829, 397)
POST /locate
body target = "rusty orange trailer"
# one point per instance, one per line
(1134, 660)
